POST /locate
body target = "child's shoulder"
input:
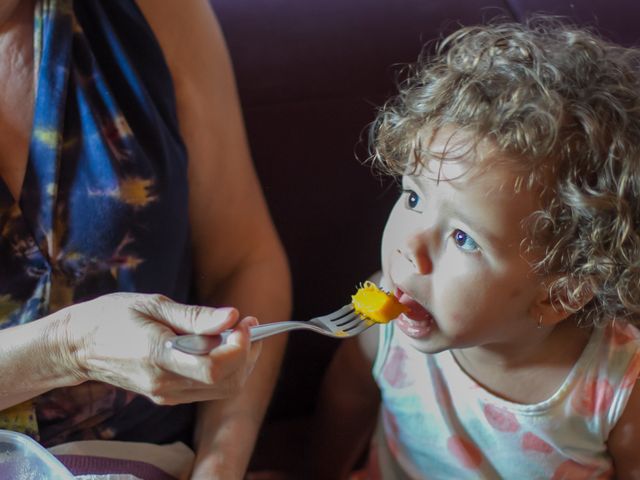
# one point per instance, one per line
(621, 335)
(624, 437)
(618, 353)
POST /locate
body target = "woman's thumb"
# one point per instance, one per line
(198, 319)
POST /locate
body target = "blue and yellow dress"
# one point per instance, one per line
(103, 207)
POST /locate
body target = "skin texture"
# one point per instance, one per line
(16, 96)
(231, 257)
(451, 251)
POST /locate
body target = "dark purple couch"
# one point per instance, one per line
(310, 75)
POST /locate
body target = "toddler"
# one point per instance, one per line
(515, 245)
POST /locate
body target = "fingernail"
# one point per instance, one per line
(253, 321)
(220, 315)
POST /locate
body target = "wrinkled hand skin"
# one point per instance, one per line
(121, 339)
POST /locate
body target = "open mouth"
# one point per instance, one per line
(417, 322)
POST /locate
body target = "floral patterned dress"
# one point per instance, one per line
(437, 422)
(103, 207)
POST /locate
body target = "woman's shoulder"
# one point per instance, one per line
(185, 31)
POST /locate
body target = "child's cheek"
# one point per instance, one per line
(514, 293)
(388, 252)
(458, 320)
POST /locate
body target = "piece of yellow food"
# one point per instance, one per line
(375, 304)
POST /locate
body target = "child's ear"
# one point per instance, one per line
(552, 306)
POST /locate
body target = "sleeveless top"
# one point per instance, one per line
(436, 422)
(103, 206)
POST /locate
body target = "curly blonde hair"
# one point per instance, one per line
(564, 106)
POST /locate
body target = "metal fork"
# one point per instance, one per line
(342, 323)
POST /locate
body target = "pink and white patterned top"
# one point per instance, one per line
(437, 423)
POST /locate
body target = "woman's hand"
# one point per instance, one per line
(121, 339)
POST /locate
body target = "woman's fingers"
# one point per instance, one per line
(188, 318)
(244, 342)
(121, 339)
(254, 347)
(240, 336)
(189, 378)
(219, 374)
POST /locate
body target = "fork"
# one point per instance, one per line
(343, 323)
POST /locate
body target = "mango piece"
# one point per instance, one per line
(375, 304)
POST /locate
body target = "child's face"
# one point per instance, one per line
(452, 252)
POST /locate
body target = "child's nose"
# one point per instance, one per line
(416, 252)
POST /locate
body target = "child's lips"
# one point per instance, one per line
(417, 322)
(416, 311)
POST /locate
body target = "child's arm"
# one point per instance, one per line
(346, 411)
(625, 438)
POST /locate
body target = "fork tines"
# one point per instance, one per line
(344, 312)
(348, 320)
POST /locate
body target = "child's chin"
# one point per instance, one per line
(427, 346)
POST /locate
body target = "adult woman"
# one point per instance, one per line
(125, 169)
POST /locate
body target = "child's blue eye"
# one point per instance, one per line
(464, 241)
(413, 200)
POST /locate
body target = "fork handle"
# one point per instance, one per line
(203, 344)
